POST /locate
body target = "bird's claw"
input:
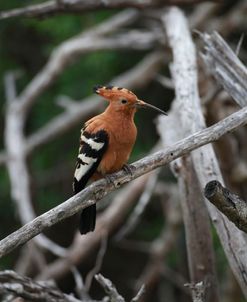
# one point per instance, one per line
(128, 169)
(110, 180)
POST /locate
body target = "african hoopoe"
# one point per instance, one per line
(106, 143)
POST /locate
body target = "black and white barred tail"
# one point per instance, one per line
(91, 151)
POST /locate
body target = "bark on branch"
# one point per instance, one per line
(228, 203)
(226, 67)
(98, 189)
(186, 109)
(198, 291)
(26, 288)
(204, 159)
(76, 6)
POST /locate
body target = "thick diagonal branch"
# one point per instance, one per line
(98, 189)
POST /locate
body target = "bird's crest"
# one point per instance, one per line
(123, 100)
(113, 92)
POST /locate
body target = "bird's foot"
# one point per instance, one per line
(111, 180)
(128, 169)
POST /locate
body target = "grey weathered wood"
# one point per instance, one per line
(181, 122)
(204, 159)
(68, 6)
(225, 66)
(228, 203)
(18, 286)
(98, 189)
(67, 52)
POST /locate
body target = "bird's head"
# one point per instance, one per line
(122, 99)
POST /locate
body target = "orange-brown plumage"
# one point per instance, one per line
(118, 122)
(106, 142)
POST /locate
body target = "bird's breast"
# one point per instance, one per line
(121, 141)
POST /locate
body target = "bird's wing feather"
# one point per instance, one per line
(92, 148)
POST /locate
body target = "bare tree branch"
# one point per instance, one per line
(139, 294)
(109, 288)
(198, 291)
(80, 287)
(108, 221)
(230, 22)
(205, 162)
(66, 53)
(18, 286)
(200, 253)
(98, 263)
(76, 6)
(228, 70)
(197, 225)
(162, 245)
(18, 148)
(31, 258)
(135, 78)
(98, 189)
(17, 166)
(228, 203)
(139, 208)
(9, 83)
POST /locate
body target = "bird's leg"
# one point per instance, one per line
(111, 180)
(128, 169)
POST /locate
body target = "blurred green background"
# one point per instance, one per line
(26, 44)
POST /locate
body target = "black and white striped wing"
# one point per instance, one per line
(91, 151)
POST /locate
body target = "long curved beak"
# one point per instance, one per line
(142, 104)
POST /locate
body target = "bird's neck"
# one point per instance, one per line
(127, 114)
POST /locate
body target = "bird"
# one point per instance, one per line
(106, 142)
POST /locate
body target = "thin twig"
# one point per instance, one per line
(139, 208)
(19, 286)
(139, 294)
(80, 287)
(164, 81)
(98, 263)
(162, 245)
(240, 42)
(109, 288)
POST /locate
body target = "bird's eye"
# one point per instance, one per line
(124, 101)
